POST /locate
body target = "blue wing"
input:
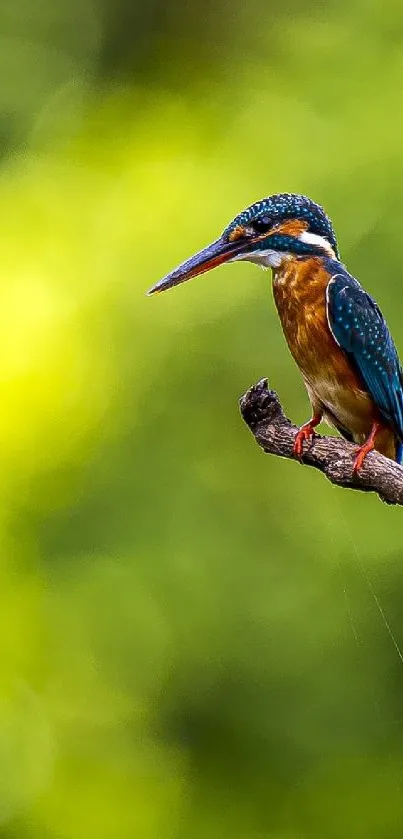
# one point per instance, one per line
(360, 329)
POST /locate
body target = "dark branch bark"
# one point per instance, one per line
(273, 431)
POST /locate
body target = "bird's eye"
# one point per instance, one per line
(262, 224)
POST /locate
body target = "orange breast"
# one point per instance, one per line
(334, 388)
(300, 296)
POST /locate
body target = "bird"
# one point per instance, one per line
(334, 329)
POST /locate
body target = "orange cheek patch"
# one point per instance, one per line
(291, 227)
(237, 233)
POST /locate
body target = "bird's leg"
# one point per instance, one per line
(305, 433)
(368, 446)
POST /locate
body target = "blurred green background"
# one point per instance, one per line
(191, 637)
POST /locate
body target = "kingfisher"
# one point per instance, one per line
(334, 329)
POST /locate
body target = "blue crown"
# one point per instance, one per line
(288, 206)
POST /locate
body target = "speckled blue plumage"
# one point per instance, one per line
(360, 329)
(287, 205)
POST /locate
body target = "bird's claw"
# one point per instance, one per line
(360, 457)
(366, 448)
(306, 432)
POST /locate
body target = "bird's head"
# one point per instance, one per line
(268, 232)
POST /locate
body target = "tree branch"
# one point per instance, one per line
(274, 433)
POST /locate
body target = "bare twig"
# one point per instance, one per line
(273, 431)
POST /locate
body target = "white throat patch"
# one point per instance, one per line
(266, 259)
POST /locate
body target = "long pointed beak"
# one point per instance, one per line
(215, 254)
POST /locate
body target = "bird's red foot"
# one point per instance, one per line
(368, 446)
(305, 433)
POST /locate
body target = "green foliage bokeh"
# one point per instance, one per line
(190, 645)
